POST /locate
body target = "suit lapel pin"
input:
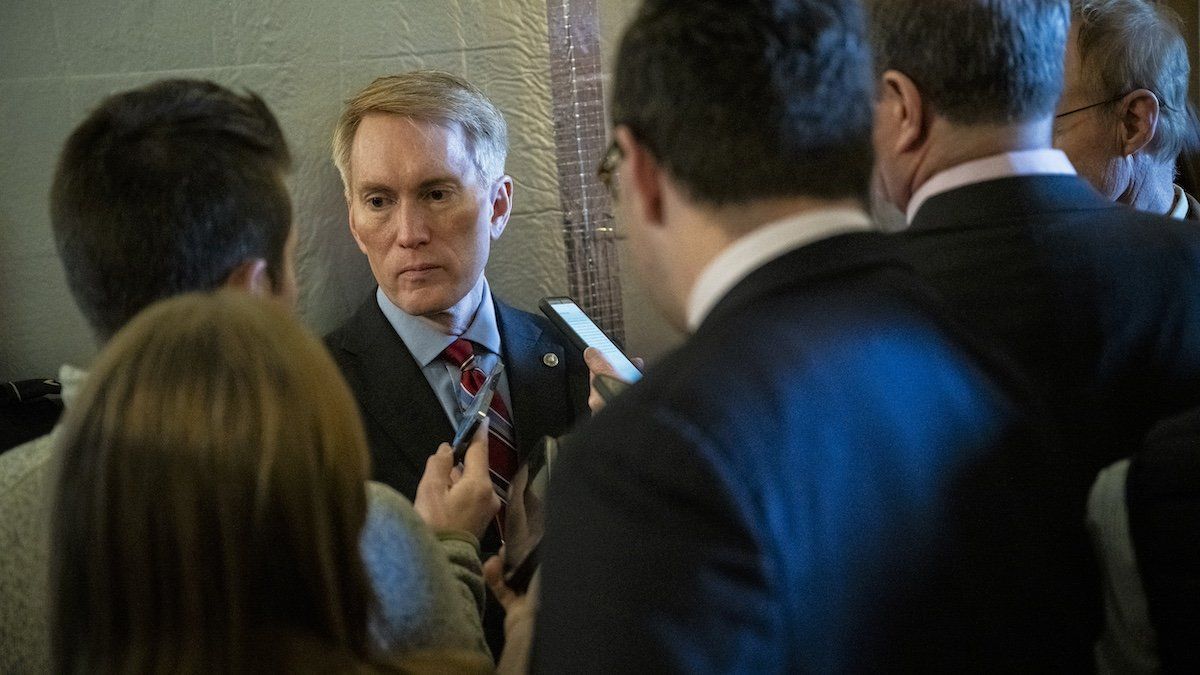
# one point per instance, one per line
(550, 359)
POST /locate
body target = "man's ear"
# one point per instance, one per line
(250, 276)
(902, 108)
(502, 205)
(642, 176)
(1138, 112)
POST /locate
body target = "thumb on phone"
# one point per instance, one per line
(599, 365)
(466, 501)
(475, 461)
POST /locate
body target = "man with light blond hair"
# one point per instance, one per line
(421, 155)
(178, 187)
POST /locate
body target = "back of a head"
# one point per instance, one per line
(976, 62)
(211, 496)
(1134, 44)
(751, 100)
(164, 190)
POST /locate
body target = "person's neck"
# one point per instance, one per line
(712, 230)
(455, 319)
(1152, 191)
(952, 145)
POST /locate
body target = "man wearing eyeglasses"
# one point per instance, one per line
(1122, 119)
(1100, 304)
(825, 457)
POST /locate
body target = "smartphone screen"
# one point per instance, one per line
(584, 333)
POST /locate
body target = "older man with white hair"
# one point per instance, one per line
(1123, 117)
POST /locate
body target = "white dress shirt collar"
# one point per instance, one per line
(1179, 207)
(760, 247)
(1041, 162)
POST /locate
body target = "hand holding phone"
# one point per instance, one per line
(605, 385)
(464, 499)
(476, 413)
(583, 333)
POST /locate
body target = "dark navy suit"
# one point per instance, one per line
(1163, 496)
(827, 476)
(404, 420)
(1098, 303)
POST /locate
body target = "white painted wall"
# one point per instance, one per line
(58, 58)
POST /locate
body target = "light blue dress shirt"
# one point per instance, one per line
(426, 341)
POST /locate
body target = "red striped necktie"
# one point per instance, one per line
(502, 448)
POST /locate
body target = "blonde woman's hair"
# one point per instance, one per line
(211, 496)
(434, 97)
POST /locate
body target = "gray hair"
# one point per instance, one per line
(976, 61)
(434, 97)
(1132, 44)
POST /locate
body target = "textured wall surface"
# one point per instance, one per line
(58, 59)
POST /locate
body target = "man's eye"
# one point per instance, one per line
(376, 202)
(438, 195)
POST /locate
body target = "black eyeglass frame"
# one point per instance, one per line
(1114, 99)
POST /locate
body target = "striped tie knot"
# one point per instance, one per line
(502, 449)
(461, 353)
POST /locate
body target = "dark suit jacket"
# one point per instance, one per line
(404, 420)
(1163, 498)
(823, 478)
(1100, 303)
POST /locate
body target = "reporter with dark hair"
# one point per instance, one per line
(1098, 303)
(178, 187)
(828, 475)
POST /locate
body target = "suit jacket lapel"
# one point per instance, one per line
(395, 393)
(539, 391)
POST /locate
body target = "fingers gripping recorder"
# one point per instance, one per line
(475, 415)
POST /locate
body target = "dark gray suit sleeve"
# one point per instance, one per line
(649, 563)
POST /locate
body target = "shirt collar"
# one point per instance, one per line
(71, 379)
(1179, 207)
(1040, 162)
(761, 246)
(426, 340)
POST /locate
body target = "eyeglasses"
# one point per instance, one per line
(607, 170)
(1114, 99)
(1089, 107)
